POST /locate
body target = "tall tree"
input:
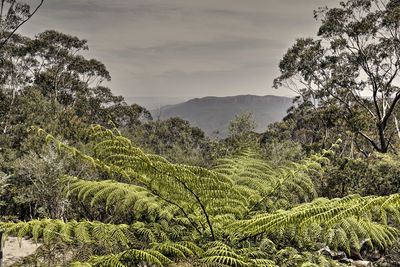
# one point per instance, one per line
(52, 64)
(241, 132)
(355, 63)
(61, 72)
(14, 14)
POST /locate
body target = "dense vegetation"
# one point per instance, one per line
(100, 183)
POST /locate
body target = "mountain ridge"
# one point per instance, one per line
(156, 102)
(213, 114)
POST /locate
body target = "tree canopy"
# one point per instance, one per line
(354, 64)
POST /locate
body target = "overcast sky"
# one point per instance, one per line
(184, 47)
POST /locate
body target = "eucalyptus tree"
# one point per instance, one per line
(61, 72)
(53, 64)
(354, 63)
(14, 14)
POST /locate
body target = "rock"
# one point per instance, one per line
(12, 252)
(359, 263)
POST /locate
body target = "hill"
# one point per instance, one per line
(214, 113)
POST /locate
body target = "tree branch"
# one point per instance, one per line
(369, 140)
(22, 23)
(390, 110)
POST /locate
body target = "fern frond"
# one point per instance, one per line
(85, 231)
(128, 257)
(121, 196)
(349, 217)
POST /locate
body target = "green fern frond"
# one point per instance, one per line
(85, 231)
(336, 214)
(128, 257)
(121, 196)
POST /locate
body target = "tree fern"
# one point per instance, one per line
(119, 196)
(344, 221)
(84, 231)
(183, 213)
(126, 258)
(189, 188)
(262, 184)
(221, 253)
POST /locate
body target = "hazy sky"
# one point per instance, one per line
(184, 47)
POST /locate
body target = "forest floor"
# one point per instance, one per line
(12, 252)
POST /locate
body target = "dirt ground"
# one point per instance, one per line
(12, 252)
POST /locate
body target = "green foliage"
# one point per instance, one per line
(242, 212)
(267, 188)
(112, 203)
(85, 231)
(353, 56)
(241, 132)
(342, 221)
(375, 175)
(243, 124)
(173, 139)
(123, 197)
(13, 15)
(220, 253)
(29, 193)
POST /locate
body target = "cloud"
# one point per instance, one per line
(217, 55)
(151, 46)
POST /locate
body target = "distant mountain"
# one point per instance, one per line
(154, 102)
(214, 113)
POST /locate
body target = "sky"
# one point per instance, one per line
(184, 48)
